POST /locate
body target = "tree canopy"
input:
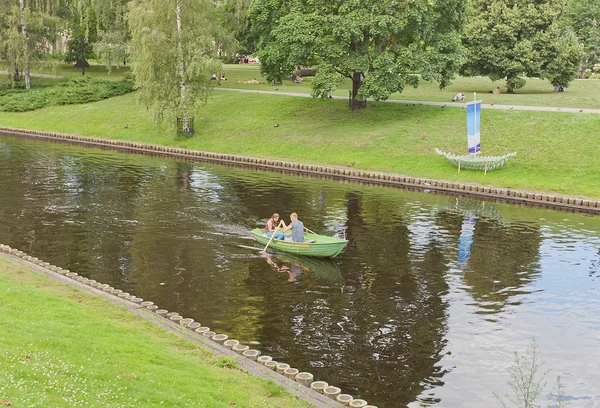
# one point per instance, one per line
(584, 17)
(380, 45)
(516, 38)
(172, 48)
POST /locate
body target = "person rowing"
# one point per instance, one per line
(272, 225)
(297, 228)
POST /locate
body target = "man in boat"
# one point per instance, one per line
(297, 228)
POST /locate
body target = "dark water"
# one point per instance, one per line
(427, 304)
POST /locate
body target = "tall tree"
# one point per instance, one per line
(172, 49)
(233, 18)
(113, 31)
(508, 38)
(379, 45)
(584, 17)
(26, 32)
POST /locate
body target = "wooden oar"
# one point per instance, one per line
(272, 236)
(309, 231)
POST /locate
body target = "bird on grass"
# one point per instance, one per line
(277, 89)
(276, 124)
(493, 104)
(126, 126)
(443, 106)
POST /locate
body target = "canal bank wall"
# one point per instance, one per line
(487, 193)
(300, 384)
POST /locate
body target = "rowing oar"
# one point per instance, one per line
(272, 236)
(312, 232)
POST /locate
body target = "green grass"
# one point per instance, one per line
(61, 347)
(557, 152)
(580, 94)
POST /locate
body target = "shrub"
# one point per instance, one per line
(74, 91)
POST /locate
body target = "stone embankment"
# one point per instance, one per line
(488, 193)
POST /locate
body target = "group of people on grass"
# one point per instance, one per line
(276, 227)
(214, 76)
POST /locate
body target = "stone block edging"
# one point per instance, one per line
(377, 178)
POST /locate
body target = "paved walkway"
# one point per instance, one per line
(36, 75)
(441, 104)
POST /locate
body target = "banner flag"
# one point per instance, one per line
(473, 118)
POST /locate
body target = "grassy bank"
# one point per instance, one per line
(62, 347)
(557, 152)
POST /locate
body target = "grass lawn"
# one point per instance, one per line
(580, 93)
(61, 347)
(557, 152)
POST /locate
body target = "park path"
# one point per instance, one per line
(441, 104)
(37, 75)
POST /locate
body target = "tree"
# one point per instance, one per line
(379, 45)
(172, 49)
(113, 32)
(26, 32)
(509, 39)
(233, 18)
(584, 17)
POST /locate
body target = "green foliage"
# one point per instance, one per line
(527, 381)
(227, 362)
(584, 17)
(511, 39)
(75, 91)
(157, 59)
(380, 46)
(41, 28)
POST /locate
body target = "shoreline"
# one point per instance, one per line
(488, 193)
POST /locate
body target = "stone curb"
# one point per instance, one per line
(299, 384)
(489, 193)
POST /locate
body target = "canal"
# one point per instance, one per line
(427, 304)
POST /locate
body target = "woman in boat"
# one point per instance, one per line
(272, 225)
(297, 228)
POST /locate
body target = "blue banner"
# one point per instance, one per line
(465, 240)
(473, 118)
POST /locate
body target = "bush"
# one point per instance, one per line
(75, 91)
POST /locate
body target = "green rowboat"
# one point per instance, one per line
(313, 245)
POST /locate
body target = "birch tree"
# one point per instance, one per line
(26, 32)
(172, 51)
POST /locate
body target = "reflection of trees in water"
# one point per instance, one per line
(386, 322)
(503, 257)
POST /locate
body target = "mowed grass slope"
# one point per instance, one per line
(63, 348)
(557, 152)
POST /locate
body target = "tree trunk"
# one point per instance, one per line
(182, 88)
(356, 84)
(16, 77)
(26, 72)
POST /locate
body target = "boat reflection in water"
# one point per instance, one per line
(295, 265)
